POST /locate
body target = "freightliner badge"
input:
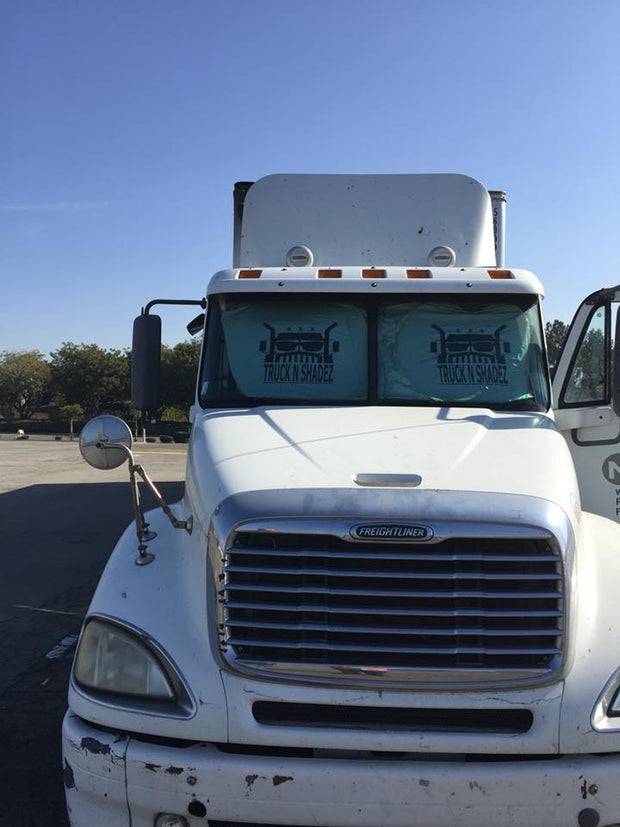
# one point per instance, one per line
(392, 532)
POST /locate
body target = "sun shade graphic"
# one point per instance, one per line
(302, 346)
(297, 348)
(482, 351)
(470, 348)
(470, 357)
(289, 354)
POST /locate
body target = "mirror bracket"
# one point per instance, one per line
(142, 527)
(105, 443)
(199, 302)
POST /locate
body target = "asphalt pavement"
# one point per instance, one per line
(59, 521)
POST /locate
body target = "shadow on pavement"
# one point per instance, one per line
(54, 543)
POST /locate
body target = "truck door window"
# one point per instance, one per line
(586, 383)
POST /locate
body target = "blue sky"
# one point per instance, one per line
(127, 122)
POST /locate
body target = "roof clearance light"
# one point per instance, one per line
(441, 257)
(329, 274)
(249, 274)
(370, 273)
(500, 274)
(419, 274)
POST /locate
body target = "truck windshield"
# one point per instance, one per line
(480, 351)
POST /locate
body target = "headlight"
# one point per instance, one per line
(112, 659)
(606, 713)
(613, 710)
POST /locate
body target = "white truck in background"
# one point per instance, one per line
(388, 595)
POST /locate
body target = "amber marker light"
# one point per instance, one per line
(374, 274)
(418, 274)
(249, 274)
(500, 274)
(329, 274)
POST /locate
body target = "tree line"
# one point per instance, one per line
(82, 380)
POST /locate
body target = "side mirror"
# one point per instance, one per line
(145, 362)
(101, 431)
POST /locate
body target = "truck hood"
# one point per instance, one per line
(451, 449)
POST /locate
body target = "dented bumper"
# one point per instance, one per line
(115, 780)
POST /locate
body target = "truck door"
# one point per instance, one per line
(587, 403)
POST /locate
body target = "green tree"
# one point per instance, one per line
(24, 383)
(179, 365)
(70, 413)
(90, 376)
(173, 414)
(555, 333)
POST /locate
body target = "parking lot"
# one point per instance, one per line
(59, 520)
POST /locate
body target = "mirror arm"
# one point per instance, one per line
(176, 523)
(144, 535)
(142, 527)
(199, 302)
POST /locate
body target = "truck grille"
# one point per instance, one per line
(299, 603)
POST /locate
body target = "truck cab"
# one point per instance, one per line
(387, 595)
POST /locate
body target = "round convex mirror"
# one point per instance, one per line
(100, 431)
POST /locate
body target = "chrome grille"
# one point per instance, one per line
(300, 601)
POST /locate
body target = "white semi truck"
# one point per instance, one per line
(389, 595)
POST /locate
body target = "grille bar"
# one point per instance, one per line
(461, 605)
(393, 630)
(384, 574)
(363, 611)
(385, 555)
(427, 593)
(418, 650)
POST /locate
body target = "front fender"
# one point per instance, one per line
(169, 600)
(596, 633)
